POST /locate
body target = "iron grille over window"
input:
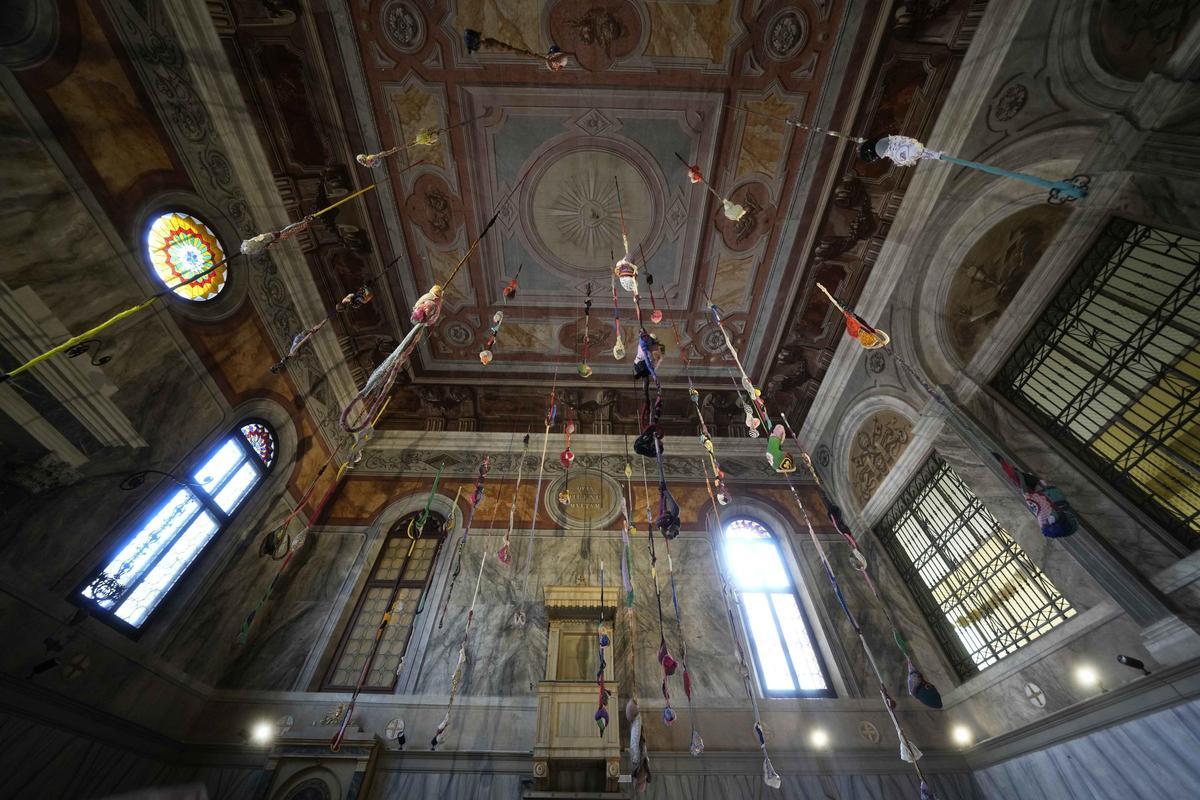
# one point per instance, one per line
(1112, 370)
(782, 644)
(983, 596)
(147, 565)
(398, 580)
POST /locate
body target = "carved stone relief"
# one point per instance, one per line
(993, 271)
(876, 447)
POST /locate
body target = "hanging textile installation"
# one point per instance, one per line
(424, 138)
(904, 151)
(425, 314)
(601, 715)
(394, 607)
(770, 777)
(353, 457)
(584, 370)
(351, 302)
(1044, 500)
(732, 210)
(508, 293)
(474, 500)
(262, 242)
(555, 59)
(551, 414)
(505, 553)
(619, 345)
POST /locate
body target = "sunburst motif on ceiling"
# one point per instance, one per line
(586, 212)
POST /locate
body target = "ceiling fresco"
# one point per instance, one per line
(551, 153)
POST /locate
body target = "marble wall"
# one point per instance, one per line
(1152, 757)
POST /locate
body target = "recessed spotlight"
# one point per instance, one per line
(819, 738)
(961, 735)
(262, 732)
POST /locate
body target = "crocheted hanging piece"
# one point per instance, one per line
(770, 776)
(668, 663)
(781, 461)
(668, 514)
(696, 747)
(555, 59)
(585, 371)
(927, 792)
(921, 689)
(626, 272)
(730, 209)
(619, 344)
(1044, 500)
(857, 328)
(905, 151)
(424, 138)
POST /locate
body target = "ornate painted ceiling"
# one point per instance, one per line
(549, 152)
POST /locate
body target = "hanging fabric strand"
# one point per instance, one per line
(696, 746)
(619, 343)
(905, 151)
(584, 370)
(555, 59)
(394, 607)
(424, 138)
(509, 292)
(730, 209)
(473, 504)
(770, 777)
(551, 415)
(665, 660)
(601, 715)
(1044, 500)
(425, 314)
(352, 458)
(505, 553)
(456, 676)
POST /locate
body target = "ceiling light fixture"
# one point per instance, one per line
(819, 738)
(961, 735)
(1088, 677)
(262, 732)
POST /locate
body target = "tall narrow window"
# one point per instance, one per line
(787, 660)
(399, 579)
(983, 596)
(134, 581)
(1112, 370)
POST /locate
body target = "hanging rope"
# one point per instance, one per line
(601, 715)
(551, 415)
(456, 677)
(509, 291)
(473, 502)
(665, 659)
(619, 344)
(555, 59)
(424, 138)
(425, 314)
(505, 553)
(905, 151)
(770, 776)
(1044, 500)
(730, 209)
(584, 370)
(696, 747)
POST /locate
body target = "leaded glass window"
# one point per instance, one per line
(186, 254)
(143, 570)
(780, 638)
(398, 580)
(1112, 370)
(982, 594)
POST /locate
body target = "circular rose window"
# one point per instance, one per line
(186, 256)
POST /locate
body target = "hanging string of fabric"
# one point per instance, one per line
(394, 608)
(770, 777)
(918, 686)
(555, 59)
(424, 138)
(505, 553)
(567, 458)
(904, 151)
(456, 677)
(665, 660)
(352, 458)
(908, 750)
(473, 501)
(619, 343)
(551, 415)
(696, 746)
(508, 293)
(585, 371)
(1044, 500)
(730, 209)
(601, 715)
(425, 313)
(639, 761)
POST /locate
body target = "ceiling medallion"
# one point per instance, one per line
(1010, 102)
(585, 211)
(458, 334)
(786, 34)
(403, 26)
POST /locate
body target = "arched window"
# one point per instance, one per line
(398, 580)
(142, 571)
(181, 247)
(784, 651)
